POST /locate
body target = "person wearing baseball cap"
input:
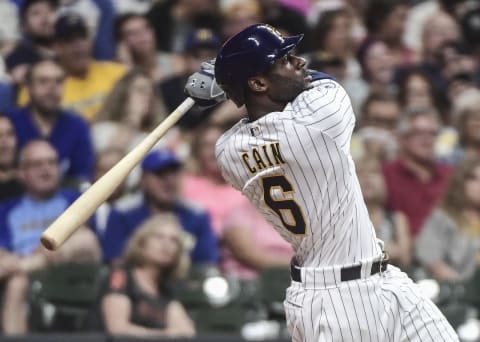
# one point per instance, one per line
(37, 18)
(88, 81)
(201, 45)
(160, 184)
(69, 27)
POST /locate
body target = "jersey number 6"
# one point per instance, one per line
(288, 210)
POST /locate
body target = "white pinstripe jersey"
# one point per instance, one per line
(296, 168)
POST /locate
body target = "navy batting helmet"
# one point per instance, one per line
(249, 53)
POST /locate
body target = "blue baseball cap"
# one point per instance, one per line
(69, 26)
(202, 38)
(160, 159)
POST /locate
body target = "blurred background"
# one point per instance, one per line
(175, 252)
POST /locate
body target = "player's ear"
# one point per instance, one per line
(257, 84)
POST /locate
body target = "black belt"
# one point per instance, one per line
(346, 273)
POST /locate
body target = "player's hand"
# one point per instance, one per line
(203, 88)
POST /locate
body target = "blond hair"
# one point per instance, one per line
(134, 253)
(455, 201)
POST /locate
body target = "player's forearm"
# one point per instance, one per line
(259, 259)
(442, 271)
(398, 253)
(129, 329)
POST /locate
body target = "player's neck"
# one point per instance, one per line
(258, 109)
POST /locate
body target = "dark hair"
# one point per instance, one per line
(362, 54)
(121, 20)
(441, 104)
(324, 26)
(449, 5)
(29, 3)
(376, 97)
(458, 46)
(377, 12)
(31, 67)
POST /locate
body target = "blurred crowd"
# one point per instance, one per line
(83, 81)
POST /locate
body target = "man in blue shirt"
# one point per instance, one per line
(22, 221)
(43, 118)
(160, 185)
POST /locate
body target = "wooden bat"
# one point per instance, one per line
(80, 210)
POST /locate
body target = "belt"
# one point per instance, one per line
(346, 273)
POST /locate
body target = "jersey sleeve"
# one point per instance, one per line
(83, 156)
(327, 108)
(115, 236)
(206, 248)
(4, 233)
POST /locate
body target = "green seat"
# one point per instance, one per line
(216, 319)
(272, 283)
(61, 297)
(455, 313)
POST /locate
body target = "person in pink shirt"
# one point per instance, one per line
(206, 186)
(250, 244)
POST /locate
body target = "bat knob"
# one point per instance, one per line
(48, 243)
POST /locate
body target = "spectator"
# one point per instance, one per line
(7, 94)
(88, 81)
(99, 16)
(106, 159)
(136, 300)
(251, 244)
(415, 180)
(129, 113)
(390, 226)
(43, 118)
(382, 111)
(238, 14)
(377, 136)
(458, 68)
(173, 19)
(466, 115)
(37, 18)
(9, 183)
(438, 30)
(378, 67)
(284, 16)
(448, 244)
(9, 29)
(385, 21)
(417, 90)
(136, 47)
(332, 36)
(201, 46)
(160, 186)
(23, 220)
(205, 186)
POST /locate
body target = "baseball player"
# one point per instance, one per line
(291, 158)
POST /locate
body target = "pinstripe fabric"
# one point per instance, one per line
(383, 307)
(313, 133)
(320, 189)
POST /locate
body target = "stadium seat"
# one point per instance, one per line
(217, 318)
(61, 297)
(273, 282)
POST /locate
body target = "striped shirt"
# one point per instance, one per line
(296, 168)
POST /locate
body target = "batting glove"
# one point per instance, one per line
(203, 88)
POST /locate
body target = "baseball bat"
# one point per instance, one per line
(85, 205)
